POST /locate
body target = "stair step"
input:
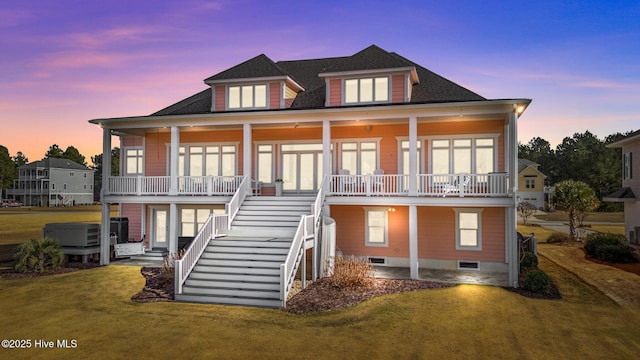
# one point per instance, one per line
(275, 218)
(256, 294)
(282, 244)
(219, 276)
(239, 263)
(233, 285)
(244, 256)
(225, 300)
(247, 250)
(265, 223)
(205, 267)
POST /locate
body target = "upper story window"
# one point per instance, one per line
(627, 168)
(247, 97)
(359, 157)
(456, 156)
(366, 90)
(133, 161)
(205, 160)
(529, 183)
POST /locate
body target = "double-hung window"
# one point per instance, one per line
(247, 97)
(133, 161)
(192, 220)
(366, 90)
(359, 157)
(376, 227)
(627, 169)
(468, 229)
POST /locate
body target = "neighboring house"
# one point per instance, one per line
(380, 158)
(531, 187)
(53, 182)
(630, 190)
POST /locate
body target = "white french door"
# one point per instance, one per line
(160, 235)
(301, 167)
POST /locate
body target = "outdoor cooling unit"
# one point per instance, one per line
(73, 234)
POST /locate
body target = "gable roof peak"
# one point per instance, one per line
(256, 67)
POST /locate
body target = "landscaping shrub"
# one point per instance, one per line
(38, 256)
(608, 247)
(351, 272)
(537, 281)
(558, 237)
(530, 261)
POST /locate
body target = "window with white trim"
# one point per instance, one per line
(207, 160)
(376, 227)
(627, 169)
(468, 229)
(265, 163)
(359, 157)
(247, 97)
(133, 161)
(530, 182)
(192, 220)
(366, 90)
(465, 155)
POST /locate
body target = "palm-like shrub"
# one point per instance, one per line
(38, 256)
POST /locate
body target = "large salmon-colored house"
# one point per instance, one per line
(370, 155)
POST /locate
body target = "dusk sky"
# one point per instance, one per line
(65, 62)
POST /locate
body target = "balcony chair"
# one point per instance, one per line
(455, 186)
(346, 182)
(377, 180)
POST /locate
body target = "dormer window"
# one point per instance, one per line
(366, 90)
(247, 97)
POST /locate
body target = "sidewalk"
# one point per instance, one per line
(621, 286)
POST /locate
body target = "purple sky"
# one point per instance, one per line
(65, 62)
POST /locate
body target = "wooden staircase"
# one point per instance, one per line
(243, 267)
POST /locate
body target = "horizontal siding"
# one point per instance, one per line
(155, 155)
(134, 213)
(397, 88)
(350, 232)
(436, 235)
(275, 94)
(335, 92)
(221, 104)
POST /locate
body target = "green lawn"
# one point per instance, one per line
(466, 321)
(18, 225)
(592, 217)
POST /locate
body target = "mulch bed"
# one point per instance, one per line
(158, 287)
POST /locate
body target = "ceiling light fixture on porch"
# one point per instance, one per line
(391, 209)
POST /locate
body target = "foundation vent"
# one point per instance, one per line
(468, 265)
(377, 260)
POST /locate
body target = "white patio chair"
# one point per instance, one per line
(346, 181)
(455, 186)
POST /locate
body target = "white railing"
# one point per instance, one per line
(138, 185)
(317, 205)
(209, 230)
(160, 185)
(241, 193)
(289, 268)
(489, 185)
(369, 185)
(209, 185)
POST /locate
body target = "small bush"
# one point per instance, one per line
(38, 256)
(537, 281)
(530, 261)
(608, 247)
(168, 266)
(351, 272)
(558, 237)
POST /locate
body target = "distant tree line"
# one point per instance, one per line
(9, 165)
(582, 157)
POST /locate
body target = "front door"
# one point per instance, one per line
(301, 167)
(160, 238)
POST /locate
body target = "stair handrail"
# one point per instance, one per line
(289, 268)
(187, 262)
(319, 202)
(238, 197)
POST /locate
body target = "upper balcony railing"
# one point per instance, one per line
(161, 185)
(446, 185)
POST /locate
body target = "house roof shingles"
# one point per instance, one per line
(431, 87)
(55, 163)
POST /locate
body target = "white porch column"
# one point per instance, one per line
(510, 212)
(413, 241)
(173, 228)
(105, 223)
(173, 160)
(326, 148)
(413, 156)
(246, 150)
